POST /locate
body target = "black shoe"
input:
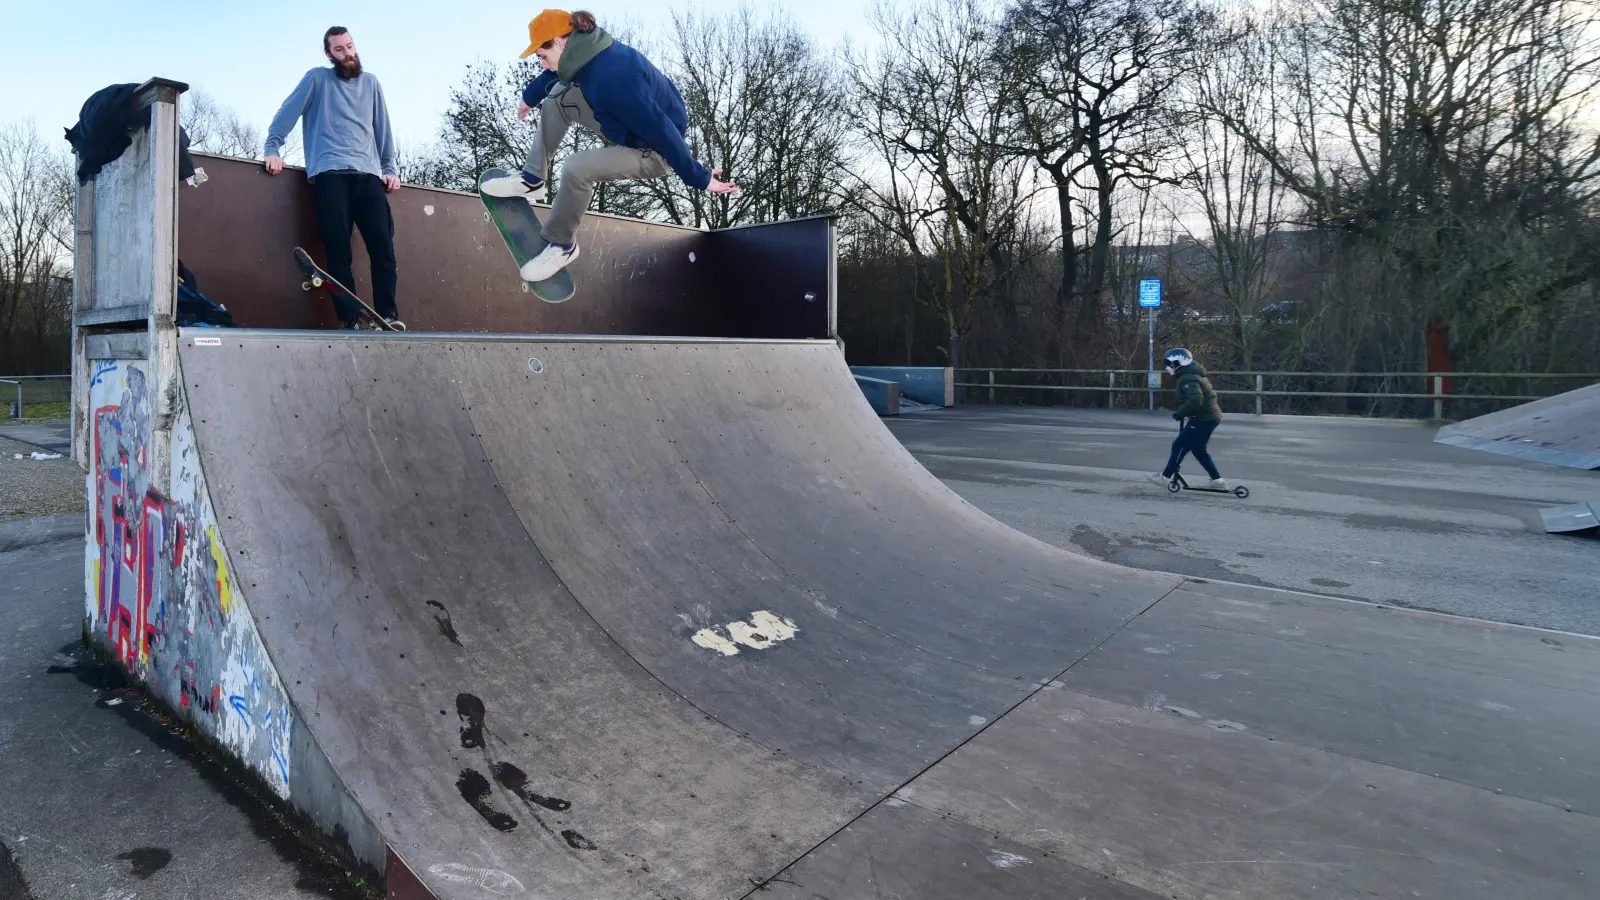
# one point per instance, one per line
(352, 325)
(394, 323)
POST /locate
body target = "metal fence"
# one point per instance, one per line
(27, 396)
(1398, 394)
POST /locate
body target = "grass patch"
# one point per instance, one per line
(58, 409)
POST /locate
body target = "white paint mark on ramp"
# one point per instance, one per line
(1000, 859)
(762, 631)
(976, 720)
(492, 880)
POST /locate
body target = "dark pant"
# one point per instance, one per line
(346, 199)
(1192, 438)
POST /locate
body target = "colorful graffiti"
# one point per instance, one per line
(161, 595)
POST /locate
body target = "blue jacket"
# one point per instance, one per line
(636, 106)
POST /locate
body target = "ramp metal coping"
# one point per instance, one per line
(266, 334)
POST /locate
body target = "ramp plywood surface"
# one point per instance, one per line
(621, 618)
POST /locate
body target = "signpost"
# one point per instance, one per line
(1150, 298)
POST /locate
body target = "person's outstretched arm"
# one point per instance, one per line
(295, 106)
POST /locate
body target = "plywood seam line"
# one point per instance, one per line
(1038, 689)
(1437, 665)
(1412, 611)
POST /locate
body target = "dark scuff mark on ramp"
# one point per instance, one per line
(515, 780)
(446, 627)
(146, 861)
(577, 841)
(12, 884)
(474, 789)
(470, 709)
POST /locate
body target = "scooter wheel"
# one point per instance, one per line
(1241, 492)
(1173, 486)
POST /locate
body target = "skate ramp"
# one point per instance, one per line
(483, 565)
(1563, 430)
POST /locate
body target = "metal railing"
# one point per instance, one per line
(1435, 384)
(19, 382)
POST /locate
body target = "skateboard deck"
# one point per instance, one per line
(520, 228)
(318, 277)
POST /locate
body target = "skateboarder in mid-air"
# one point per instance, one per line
(350, 161)
(593, 80)
(1197, 402)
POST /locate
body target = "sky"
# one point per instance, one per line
(249, 56)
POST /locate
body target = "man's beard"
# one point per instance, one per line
(348, 68)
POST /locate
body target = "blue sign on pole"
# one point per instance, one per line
(1150, 292)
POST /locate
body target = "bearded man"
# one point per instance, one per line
(350, 161)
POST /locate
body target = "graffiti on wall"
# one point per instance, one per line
(161, 594)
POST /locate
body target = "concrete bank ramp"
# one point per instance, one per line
(623, 618)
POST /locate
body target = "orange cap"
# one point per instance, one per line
(546, 26)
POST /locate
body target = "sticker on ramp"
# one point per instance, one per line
(208, 342)
(762, 631)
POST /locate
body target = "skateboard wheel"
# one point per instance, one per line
(1241, 492)
(316, 281)
(526, 289)
(305, 285)
(1173, 486)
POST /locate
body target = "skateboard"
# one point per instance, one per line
(520, 228)
(1178, 484)
(317, 277)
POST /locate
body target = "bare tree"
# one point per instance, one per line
(215, 128)
(1242, 201)
(1100, 80)
(934, 111)
(759, 109)
(480, 129)
(1444, 140)
(36, 190)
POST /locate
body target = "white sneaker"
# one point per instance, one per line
(512, 185)
(1220, 484)
(550, 260)
(1158, 478)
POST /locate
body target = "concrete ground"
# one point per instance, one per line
(99, 800)
(1370, 509)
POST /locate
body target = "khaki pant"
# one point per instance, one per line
(558, 112)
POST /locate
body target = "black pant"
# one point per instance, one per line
(1192, 438)
(346, 199)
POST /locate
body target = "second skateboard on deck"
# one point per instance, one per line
(520, 228)
(318, 277)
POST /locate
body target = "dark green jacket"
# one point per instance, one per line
(1197, 399)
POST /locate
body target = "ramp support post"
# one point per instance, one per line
(125, 275)
(1438, 397)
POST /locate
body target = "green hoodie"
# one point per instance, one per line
(1197, 399)
(580, 49)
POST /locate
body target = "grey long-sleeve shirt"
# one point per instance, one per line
(346, 123)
